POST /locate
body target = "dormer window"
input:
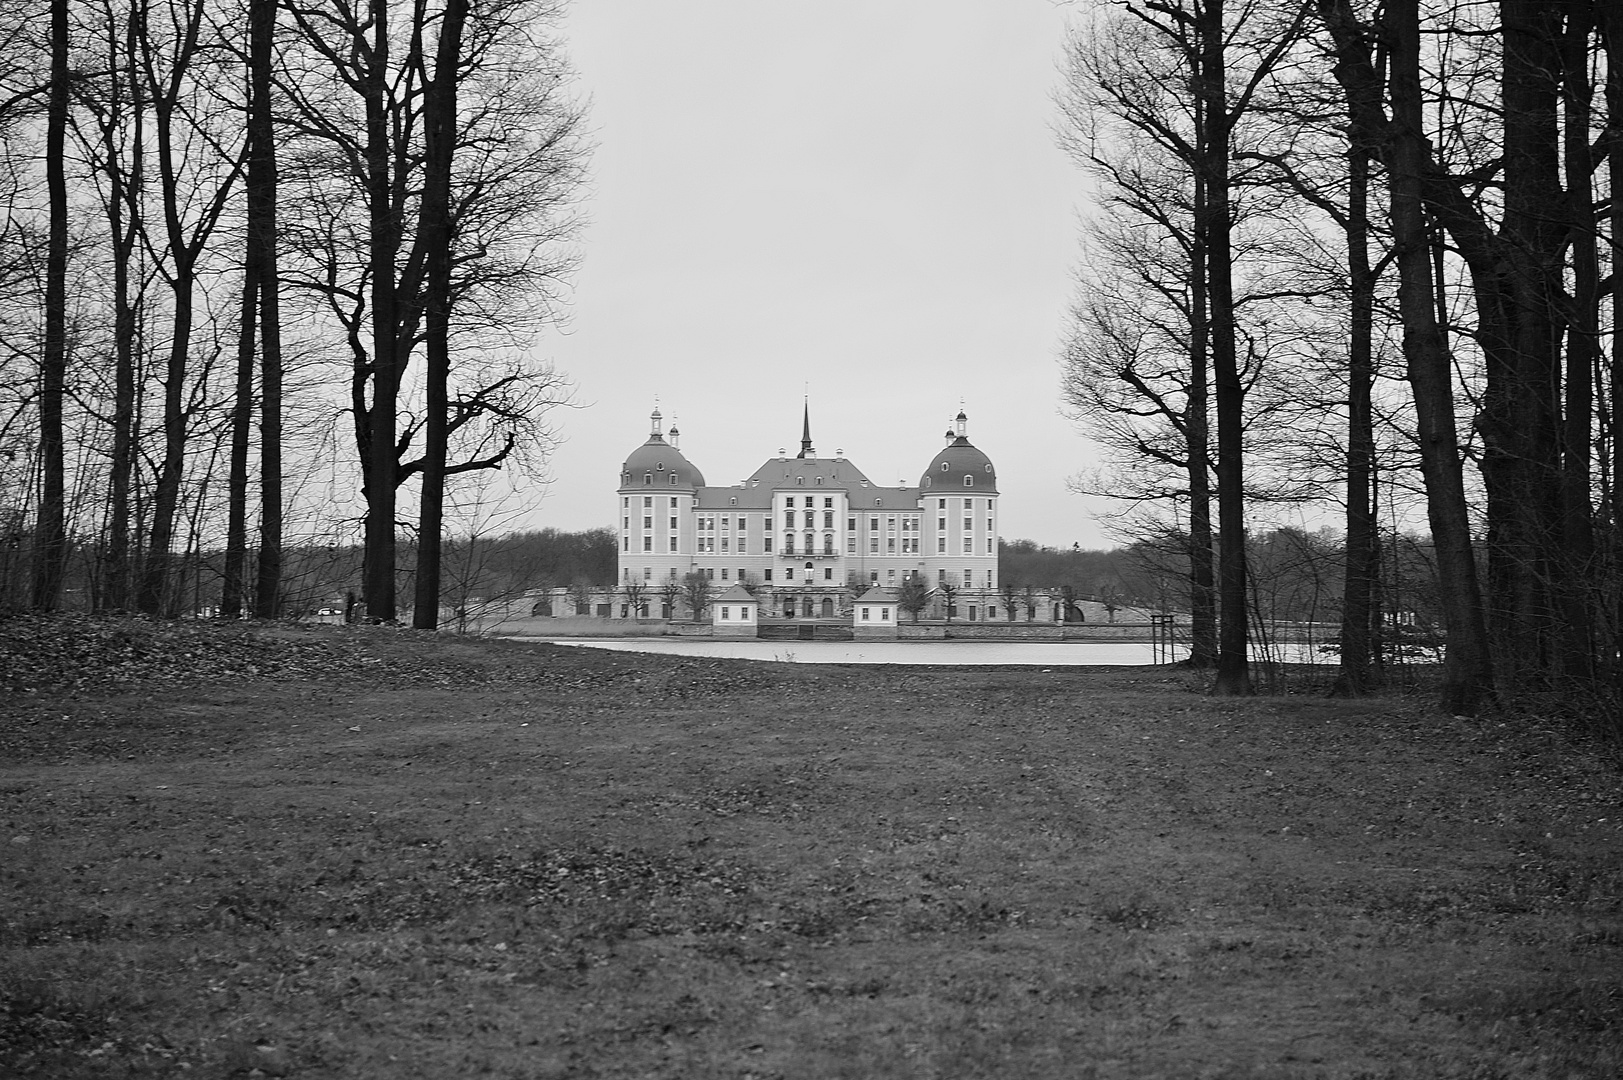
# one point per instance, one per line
(943, 466)
(659, 466)
(673, 479)
(648, 478)
(969, 481)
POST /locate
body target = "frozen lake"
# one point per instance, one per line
(1035, 654)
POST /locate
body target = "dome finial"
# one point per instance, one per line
(655, 420)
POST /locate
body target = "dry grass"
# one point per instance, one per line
(440, 859)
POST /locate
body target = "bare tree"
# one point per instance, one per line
(697, 591)
(50, 530)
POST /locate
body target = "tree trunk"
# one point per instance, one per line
(1214, 217)
(261, 200)
(1202, 568)
(1576, 554)
(380, 457)
(1517, 279)
(242, 415)
(1467, 673)
(50, 530)
(1362, 544)
(124, 229)
(439, 135)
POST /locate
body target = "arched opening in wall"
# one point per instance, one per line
(828, 608)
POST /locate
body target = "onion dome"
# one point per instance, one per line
(960, 467)
(659, 464)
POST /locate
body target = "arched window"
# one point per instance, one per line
(969, 481)
(828, 543)
(648, 478)
(943, 466)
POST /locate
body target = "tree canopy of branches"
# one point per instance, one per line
(1422, 243)
(388, 184)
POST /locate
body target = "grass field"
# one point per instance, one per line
(369, 853)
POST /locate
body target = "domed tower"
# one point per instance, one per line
(959, 467)
(958, 493)
(658, 486)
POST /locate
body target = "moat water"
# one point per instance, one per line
(1031, 654)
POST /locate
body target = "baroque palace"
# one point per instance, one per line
(808, 533)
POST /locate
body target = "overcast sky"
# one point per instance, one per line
(856, 201)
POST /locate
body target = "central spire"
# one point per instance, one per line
(806, 450)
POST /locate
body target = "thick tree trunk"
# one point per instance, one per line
(1214, 217)
(1362, 545)
(1202, 554)
(50, 529)
(439, 133)
(262, 210)
(1517, 283)
(1467, 674)
(1576, 555)
(380, 459)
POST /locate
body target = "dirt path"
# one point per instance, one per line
(357, 854)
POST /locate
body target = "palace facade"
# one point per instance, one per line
(808, 533)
